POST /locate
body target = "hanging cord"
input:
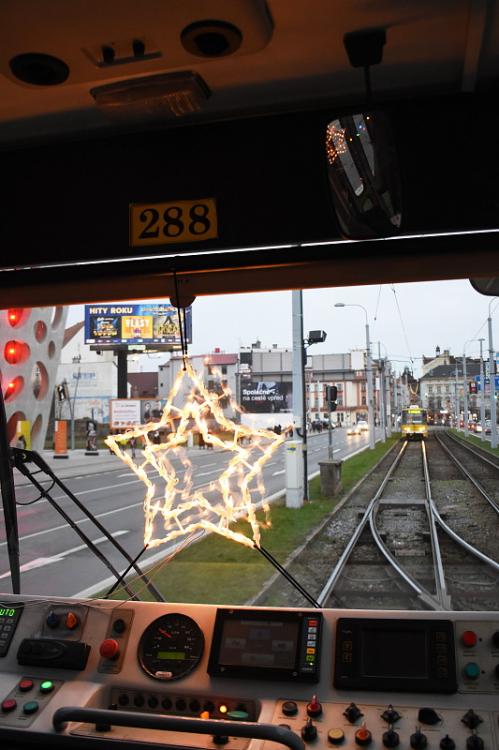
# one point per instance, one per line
(181, 321)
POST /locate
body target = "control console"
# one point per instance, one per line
(199, 676)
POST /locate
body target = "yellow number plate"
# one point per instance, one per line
(178, 221)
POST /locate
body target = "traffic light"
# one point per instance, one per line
(472, 387)
(331, 396)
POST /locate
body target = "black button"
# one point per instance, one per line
(220, 739)
(180, 704)
(289, 708)
(471, 719)
(123, 699)
(428, 716)
(447, 743)
(195, 706)
(390, 715)
(166, 704)
(152, 702)
(352, 713)
(119, 626)
(474, 742)
(209, 706)
(139, 701)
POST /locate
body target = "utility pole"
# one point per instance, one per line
(482, 393)
(299, 354)
(382, 395)
(492, 379)
(465, 396)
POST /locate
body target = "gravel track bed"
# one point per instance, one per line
(460, 504)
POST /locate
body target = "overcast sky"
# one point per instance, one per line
(409, 319)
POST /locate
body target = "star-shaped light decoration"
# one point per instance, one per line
(239, 490)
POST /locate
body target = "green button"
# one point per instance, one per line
(31, 707)
(238, 715)
(472, 670)
(46, 686)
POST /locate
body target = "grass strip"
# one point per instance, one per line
(216, 570)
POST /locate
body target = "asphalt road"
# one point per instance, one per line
(55, 560)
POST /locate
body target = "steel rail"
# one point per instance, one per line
(468, 475)
(340, 565)
(479, 452)
(440, 582)
(421, 591)
(338, 569)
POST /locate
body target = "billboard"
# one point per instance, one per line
(149, 323)
(127, 412)
(266, 396)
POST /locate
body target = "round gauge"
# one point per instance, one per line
(171, 647)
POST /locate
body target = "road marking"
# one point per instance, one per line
(205, 473)
(41, 562)
(283, 471)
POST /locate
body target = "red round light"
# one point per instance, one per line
(469, 638)
(109, 649)
(14, 315)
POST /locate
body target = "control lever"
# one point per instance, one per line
(177, 724)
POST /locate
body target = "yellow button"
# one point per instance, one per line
(336, 736)
(310, 650)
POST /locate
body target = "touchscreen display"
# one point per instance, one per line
(389, 653)
(259, 643)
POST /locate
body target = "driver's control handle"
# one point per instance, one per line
(177, 724)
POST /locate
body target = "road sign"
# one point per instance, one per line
(487, 383)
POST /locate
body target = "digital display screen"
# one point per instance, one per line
(267, 644)
(180, 655)
(7, 611)
(400, 653)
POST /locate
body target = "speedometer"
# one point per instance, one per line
(171, 647)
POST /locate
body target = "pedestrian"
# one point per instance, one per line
(133, 443)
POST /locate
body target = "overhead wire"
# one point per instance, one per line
(402, 324)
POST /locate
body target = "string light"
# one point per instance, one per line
(183, 509)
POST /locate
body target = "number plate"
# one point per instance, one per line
(178, 221)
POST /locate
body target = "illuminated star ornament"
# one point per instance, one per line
(180, 509)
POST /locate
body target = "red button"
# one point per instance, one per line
(109, 649)
(71, 621)
(469, 638)
(25, 685)
(8, 704)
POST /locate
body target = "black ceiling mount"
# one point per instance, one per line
(39, 69)
(211, 38)
(365, 48)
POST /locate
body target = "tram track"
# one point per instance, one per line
(403, 546)
(472, 574)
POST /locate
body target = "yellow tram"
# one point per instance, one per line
(414, 423)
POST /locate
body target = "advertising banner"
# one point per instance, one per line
(151, 323)
(266, 396)
(127, 412)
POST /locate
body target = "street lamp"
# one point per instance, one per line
(369, 375)
(492, 379)
(465, 389)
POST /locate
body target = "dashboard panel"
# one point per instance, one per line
(93, 673)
